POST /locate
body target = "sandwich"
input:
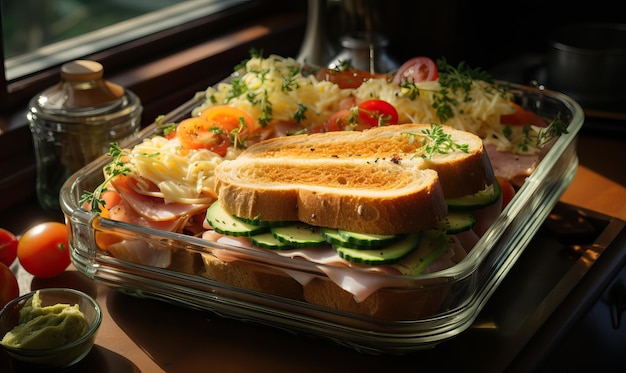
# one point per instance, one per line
(370, 208)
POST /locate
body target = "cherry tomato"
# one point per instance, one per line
(9, 288)
(376, 113)
(522, 117)
(197, 133)
(349, 78)
(507, 189)
(417, 69)
(8, 247)
(43, 250)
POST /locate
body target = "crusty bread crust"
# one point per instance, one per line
(251, 276)
(384, 304)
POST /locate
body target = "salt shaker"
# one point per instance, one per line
(74, 122)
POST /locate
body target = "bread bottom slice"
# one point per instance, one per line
(252, 276)
(384, 304)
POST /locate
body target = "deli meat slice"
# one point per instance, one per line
(511, 166)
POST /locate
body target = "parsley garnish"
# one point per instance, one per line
(556, 128)
(266, 110)
(343, 65)
(116, 167)
(166, 128)
(300, 114)
(436, 141)
(289, 82)
(527, 137)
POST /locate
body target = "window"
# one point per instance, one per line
(39, 34)
(163, 50)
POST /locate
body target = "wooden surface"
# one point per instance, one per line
(139, 335)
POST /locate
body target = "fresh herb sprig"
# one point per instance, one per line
(528, 137)
(166, 127)
(117, 166)
(435, 140)
(554, 129)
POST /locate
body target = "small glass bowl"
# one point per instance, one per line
(59, 357)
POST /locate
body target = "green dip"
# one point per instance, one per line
(46, 327)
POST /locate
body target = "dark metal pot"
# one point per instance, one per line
(588, 62)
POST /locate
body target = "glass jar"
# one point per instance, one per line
(74, 122)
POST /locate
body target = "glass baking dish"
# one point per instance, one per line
(445, 303)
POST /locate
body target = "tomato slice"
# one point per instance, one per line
(522, 117)
(349, 78)
(376, 113)
(197, 133)
(507, 189)
(343, 120)
(417, 69)
(229, 118)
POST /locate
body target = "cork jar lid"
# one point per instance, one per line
(82, 86)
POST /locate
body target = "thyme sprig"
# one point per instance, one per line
(435, 140)
(554, 129)
(117, 166)
(535, 137)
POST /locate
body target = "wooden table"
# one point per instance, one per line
(139, 335)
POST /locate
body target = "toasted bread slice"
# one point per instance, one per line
(375, 197)
(460, 173)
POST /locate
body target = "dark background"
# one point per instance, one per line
(482, 33)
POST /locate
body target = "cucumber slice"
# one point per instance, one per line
(225, 223)
(265, 223)
(383, 255)
(458, 221)
(300, 235)
(431, 246)
(268, 241)
(336, 239)
(476, 201)
(366, 239)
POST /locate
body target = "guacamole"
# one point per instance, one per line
(46, 327)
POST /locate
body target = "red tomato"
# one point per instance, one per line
(507, 189)
(376, 113)
(522, 117)
(197, 133)
(229, 119)
(343, 120)
(9, 289)
(43, 250)
(8, 247)
(349, 78)
(417, 69)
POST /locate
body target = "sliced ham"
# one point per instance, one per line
(153, 208)
(511, 166)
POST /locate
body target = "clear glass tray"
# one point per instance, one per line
(454, 296)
